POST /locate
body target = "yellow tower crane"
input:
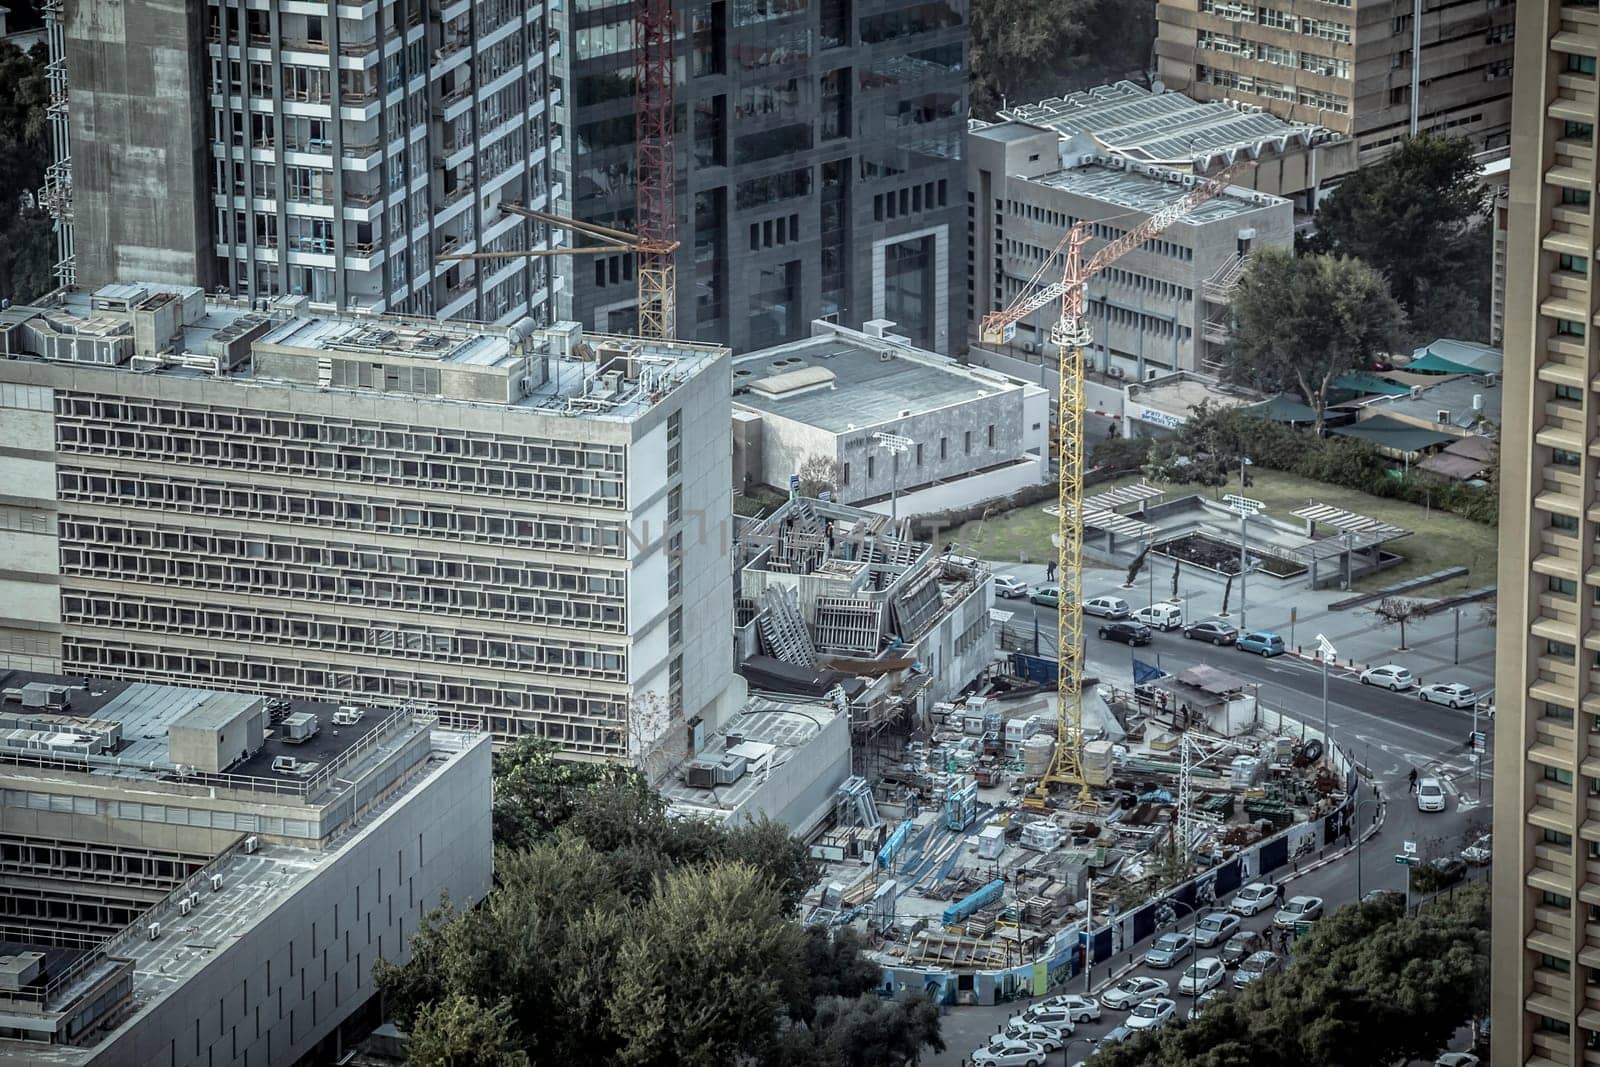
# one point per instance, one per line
(1071, 335)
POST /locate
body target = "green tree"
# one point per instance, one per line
(836, 967)
(536, 791)
(1419, 218)
(866, 1031)
(1023, 51)
(458, 1031)
(1206, 449)
(705, 970)
(1302, 321)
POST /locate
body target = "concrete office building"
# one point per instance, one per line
(819, 167)
(205, 878)
(509, 524)
(1162, 307)
(973, 434)
(1547, 728)
(319, 150)
(1348, 64)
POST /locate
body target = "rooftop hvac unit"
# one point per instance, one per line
(701, 774)
(184, 906)
(216, 883)
(155, 931)
(347, 716)
(299, 727)
(285, 765)
(731, 769)
(252, 843)
(1443, 416)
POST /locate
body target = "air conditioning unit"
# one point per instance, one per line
(301, 726)
(700, 774)
(252, 843)
(1443, 417)
(216, 883)
(1114, 372)
(155, 931)
(184, 906)
(347, 716)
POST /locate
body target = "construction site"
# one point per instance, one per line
(944, 870)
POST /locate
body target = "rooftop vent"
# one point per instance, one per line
(791, 382)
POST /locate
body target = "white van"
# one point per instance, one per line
(1161, 616)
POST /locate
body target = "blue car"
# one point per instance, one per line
(1263, 643)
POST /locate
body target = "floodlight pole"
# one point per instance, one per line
(895, 444)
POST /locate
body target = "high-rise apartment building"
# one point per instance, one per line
(819, 150)
(1349, 65)
(1545, 994)
(320, 150)
(522, 528)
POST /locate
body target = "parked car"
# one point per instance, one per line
(1204, 1001)
(1389, 676)
(1479, 852)
(1392, 896)
(1298, 910)
(1129, 633)
(1048, 595)
(1010, 1053)
(1214, 630)
(1018, 1028)
(1169, 950)
(1082, 1009)
(1116, 1036)
(1262, 643)
(1010, 586)
(1056, 1018)
(1130, 991)
(1215, 928)
(1448, 870)
(1241, 946)
(1161, 616)
(1202, 975)
(1456, 1059)
(1453, 694)
(1107, 607)
(1151, 1014)
(1430, 795)
(1255, 898)
(1256, 966)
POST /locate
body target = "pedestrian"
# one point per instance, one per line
(1413, 779)
(1050, 571)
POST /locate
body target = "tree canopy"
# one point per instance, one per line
(1366, 986)
(27, 244)
(1027, 50)
(616, 934)
(1419, 218)
(1302, 321)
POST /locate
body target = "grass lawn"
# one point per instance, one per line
(1438, 539)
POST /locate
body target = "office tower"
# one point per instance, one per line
(820, 174)
(522, 528)
(1546, 973)
(318, 150)
(204, 878)
(1348, 64)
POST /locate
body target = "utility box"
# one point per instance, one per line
(300, 727)
(218, 732)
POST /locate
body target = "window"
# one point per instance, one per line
(1564, 523)
(1556, 837)
(1564, 587)
(990, 435)
(1555, 900)
(1554, 963)
(1547, 1024)
(944, 449)
(844, 479)
(1577, 64)
(1575, 264)
(1562, 458)
(919, 453)
(1578, 197)
(1556, 774)
(1577, 131)
(872, 467)
(1557, 712)
(1559, 649)
(966, 442)
(1575, 394)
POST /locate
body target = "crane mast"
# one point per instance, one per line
(1072, 336)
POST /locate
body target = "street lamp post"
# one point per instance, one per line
(1326, 652)
(1360, 836)
(1246, 507)
(896, 445)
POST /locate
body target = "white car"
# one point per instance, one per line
(1160, 616)
(1082, 1009)
(1020, 1029)
(1456, 1059)
(1254, 899)
(1010, 586)
(1204, 1001)
(1130, 991)
(1390, 676)
(1430, 795)
(1215, 928)
(1451, 694)
(1203, 974)
(1010, 1053)
(1151, 1014)
(1107, 607)
(1298, 910)
(1480, 851)
(1054, 1018)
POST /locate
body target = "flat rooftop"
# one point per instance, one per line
(1150, 189)
(1456, 396)
(145, 710)
(1136, 123)
(865, 384)
(1182, 392)
(788, 724)
(569, 388)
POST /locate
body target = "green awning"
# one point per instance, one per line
(1285, 408)
(1432, 364)
(1360, 382)
(1391, 433)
